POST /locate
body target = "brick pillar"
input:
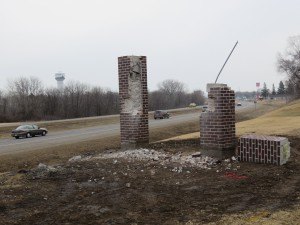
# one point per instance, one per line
(133, 97)
(217, 124)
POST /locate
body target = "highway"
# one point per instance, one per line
(11, 145)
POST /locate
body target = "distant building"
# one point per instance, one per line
(60, 77)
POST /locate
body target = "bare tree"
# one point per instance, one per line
(3, 107)
(26, 99)
(52, 104)
(25, 96)
(171, 86)
(197, 97)
(289, 63)
(172, 93)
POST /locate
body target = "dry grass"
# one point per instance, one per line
(283, 121)
(262, 107)
(291, 217)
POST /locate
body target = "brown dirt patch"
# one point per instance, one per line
(98, 192)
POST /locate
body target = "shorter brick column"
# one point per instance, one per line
(217, 124)
(263, 149)
(133, 97)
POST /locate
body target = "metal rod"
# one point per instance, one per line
(226, 61)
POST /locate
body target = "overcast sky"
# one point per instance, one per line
(186, 40)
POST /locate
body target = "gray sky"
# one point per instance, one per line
(186, 40)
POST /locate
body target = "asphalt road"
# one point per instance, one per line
(11, 145)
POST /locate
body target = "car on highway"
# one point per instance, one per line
(28, 131)
(204, 108)
(160, 114)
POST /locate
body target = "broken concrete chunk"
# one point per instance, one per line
(163, 158)
(196, 154)
(75, 158)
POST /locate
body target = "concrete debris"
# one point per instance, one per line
(104, 210)
(163, 158)
(128, 185)
(78, 158)
(43, 167)
(177, 170)
(75, 158)
(196, 154)
(42, 170)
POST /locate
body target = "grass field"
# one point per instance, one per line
(262, 218)
(269, 118)
(283, 121)
(262, 107)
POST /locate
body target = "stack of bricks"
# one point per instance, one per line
(263, 149)
(217, 124)
(133, 97)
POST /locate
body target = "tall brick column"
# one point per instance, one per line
(217, 124)
(133, 97)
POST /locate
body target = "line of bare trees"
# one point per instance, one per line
(289, 63)
(27, 99)
(173, 94)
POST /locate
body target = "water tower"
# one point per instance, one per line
(60, 77)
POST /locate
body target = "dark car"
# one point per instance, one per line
(28, 131)
(204, 108)
(160, 114)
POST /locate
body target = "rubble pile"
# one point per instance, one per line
(43, 170)
(150, 155)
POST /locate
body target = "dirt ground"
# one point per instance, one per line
(122, 191)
